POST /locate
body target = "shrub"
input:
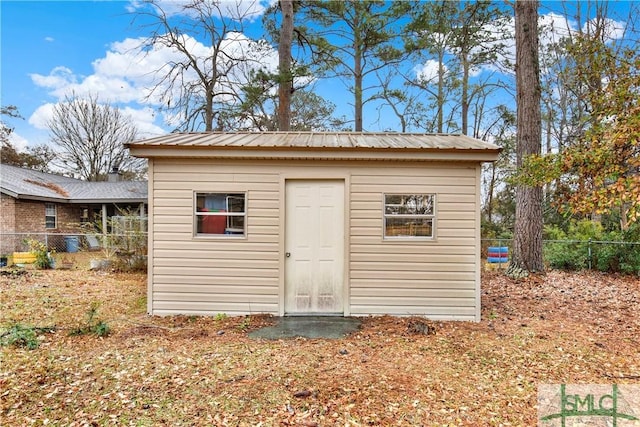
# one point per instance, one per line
(92, 325)
(607, 256)
(587, 248)
(630, 261)
(630, 257)
(44, 257)
(564, 255)
(623, 257)
(22, 336)
(124, 241)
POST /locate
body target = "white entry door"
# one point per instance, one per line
(314, 245)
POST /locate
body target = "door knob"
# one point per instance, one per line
(287, 254)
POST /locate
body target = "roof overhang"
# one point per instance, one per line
(103, 201)
(70, 201)
(314, 154)
(307, 146)
(32, 197)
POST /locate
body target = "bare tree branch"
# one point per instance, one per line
(197, 87)
(90, 137)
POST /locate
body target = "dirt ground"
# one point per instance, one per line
(551, 329)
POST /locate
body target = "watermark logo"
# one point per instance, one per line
(572, 405)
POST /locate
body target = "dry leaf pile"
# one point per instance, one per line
(557, 328)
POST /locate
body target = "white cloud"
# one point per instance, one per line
(504, 32)
(498, 33)
(18, 142)
(58, 77)
(144, 119)
(235, 9)
(127, 73)
(49, 39)
(613, 30)
(554, 27)
(428, 71)
(41, 116)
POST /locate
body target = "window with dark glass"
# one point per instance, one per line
(409, 215)
(50, 215)
(221, 214)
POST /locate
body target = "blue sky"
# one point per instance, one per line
(51, 47)
(38, 37)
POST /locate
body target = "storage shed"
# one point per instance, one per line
(297, 223)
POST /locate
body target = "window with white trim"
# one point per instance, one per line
(409, 216)
(50, 215)
(221, 214)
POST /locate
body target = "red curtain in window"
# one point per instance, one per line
(214, 224)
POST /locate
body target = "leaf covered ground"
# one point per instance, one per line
(556, 328)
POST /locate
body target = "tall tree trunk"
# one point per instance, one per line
(441, 101)
(464, 96)
(490, 193)
(358, 89)
(284, 55)
(527, 245)
(208, 109)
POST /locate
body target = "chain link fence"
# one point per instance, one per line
(123, 233)
(610, 256)
(73, 242)
(20, 242)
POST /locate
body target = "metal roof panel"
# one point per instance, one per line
(318, 140)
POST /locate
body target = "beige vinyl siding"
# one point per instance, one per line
(209, 275)
(150, 240)
(435, 278)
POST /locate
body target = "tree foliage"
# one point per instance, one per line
(258, 110)
(357, 40)
(38, 157)
(460, 37)
(600, 173)
(311, 112)
(497, 207)
(6, 130)
(90, 137)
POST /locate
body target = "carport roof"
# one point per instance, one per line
(352, 145)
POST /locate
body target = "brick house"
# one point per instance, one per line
(41, 203)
